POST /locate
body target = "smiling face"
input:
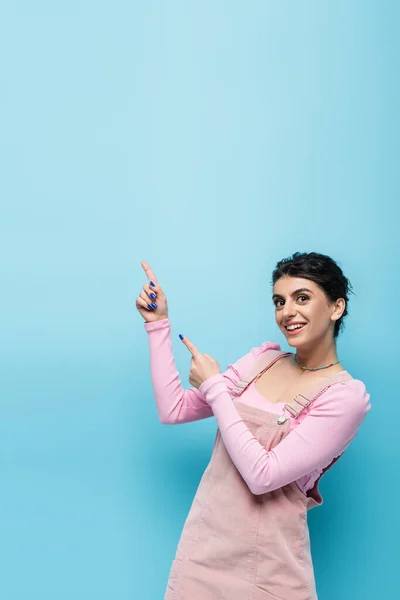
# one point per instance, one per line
(300, 300)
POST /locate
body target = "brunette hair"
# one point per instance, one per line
(321, 269)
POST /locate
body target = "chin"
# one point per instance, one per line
(296, 343)
(293, 343)
(305, 343)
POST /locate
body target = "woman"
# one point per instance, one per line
(283, 419)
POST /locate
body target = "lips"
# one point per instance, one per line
(297, 330)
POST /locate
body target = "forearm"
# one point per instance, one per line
(250, 458)
(174, 403)
(330, 424)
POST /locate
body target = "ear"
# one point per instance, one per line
(339, 309)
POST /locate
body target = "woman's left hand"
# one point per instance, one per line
(202, 366)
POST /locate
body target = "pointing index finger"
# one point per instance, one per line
(149, 272)
(191, 347)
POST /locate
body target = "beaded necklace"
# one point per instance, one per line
(314, 368)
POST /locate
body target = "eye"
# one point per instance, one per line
(276, 302)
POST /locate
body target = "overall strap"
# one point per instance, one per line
(263, 362)
(301, 401)
(305, 399)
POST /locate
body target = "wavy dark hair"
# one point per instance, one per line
(321, 269)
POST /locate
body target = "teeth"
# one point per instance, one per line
(292, 327)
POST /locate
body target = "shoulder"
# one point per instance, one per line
(264, 347)
(349, 396)
(257, 351)
(240, 366)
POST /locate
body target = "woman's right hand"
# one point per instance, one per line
(145, 300)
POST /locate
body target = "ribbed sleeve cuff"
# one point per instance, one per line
(160, 324)
(212, 386)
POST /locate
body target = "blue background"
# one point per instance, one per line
(211, 140)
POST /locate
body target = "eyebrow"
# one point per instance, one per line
(302, 289)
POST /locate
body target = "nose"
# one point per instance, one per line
(288, 313)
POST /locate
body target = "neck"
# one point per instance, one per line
(317, 356)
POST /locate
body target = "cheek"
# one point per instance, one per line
(317, 317)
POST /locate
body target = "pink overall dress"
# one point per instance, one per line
(236, 545)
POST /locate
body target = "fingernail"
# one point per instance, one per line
(154, 305)
(181, 336)
(152, 296)
(149, 307)
(152, 284)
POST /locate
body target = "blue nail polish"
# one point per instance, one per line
(152, 284)
(149, 307)
(181, 336)
(154, 305)
(152, 296)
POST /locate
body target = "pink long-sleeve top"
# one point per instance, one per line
(320, 433)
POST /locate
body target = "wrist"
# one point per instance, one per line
(157, 324)
(214, 384)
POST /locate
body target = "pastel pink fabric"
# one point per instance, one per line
(319, 435)
(236, 545)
